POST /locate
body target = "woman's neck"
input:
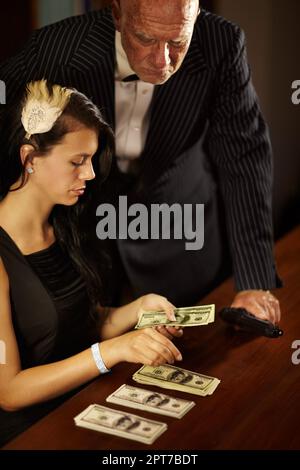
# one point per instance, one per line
(25, 218)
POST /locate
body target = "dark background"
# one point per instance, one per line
(273, 36)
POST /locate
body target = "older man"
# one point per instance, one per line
(174, 83)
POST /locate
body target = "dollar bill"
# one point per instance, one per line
(119, 423)
(187, 316)
(175, 378)
(142, 399)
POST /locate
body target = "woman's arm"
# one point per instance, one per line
(20, 388)
(119, 320)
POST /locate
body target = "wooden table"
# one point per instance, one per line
(256, 406)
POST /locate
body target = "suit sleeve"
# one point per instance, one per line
(239, 144)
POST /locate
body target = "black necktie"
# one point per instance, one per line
(130, 78)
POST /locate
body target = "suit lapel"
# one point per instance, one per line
(94, 61)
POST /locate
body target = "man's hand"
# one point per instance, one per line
(260, 303)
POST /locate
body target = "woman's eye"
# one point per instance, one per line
(78, 163)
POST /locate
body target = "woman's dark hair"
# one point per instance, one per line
(74, 226)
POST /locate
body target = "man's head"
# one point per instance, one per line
(155, 35)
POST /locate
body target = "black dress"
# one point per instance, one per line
(50, 314)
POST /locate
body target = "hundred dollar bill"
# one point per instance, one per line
(142, 399)
(175, 378)
(121, 424)
(188, 316)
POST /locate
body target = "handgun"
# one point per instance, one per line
(245, 319)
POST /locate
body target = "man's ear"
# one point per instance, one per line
(25, 154)
(116, 13)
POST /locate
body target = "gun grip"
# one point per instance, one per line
(245, 319)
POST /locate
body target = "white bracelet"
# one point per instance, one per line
(98, 359)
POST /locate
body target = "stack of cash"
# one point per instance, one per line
(175, 378)
(120, 423)
(146, 400)
(187, 316)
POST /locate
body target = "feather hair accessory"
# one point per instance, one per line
(42, 109)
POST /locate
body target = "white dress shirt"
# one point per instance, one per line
(132, 104)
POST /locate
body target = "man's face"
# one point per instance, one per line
(155, 35)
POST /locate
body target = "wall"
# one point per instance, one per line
(55, 10)
(272, 32)
(16, 23)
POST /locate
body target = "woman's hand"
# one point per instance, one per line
(145, 346)
(170, 332)
(157, 302)
(121, 319)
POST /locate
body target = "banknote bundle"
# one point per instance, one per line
(120, 423)
(175, 378)
(146, 400)
(187, 316)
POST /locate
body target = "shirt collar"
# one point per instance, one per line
(123, 68)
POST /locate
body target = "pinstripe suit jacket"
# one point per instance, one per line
(210, 97)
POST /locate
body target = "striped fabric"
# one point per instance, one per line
(212, 90)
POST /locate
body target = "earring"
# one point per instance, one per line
(30, 170)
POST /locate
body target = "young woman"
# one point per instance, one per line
(54, 151)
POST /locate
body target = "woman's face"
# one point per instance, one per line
(61, 176)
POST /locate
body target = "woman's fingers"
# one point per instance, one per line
(147, 346)
(170, 331)
(168, 308)
(175, 331)
(158, 348)
(158, 302)
(165, 346)
(170, 311)
(163, 331)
